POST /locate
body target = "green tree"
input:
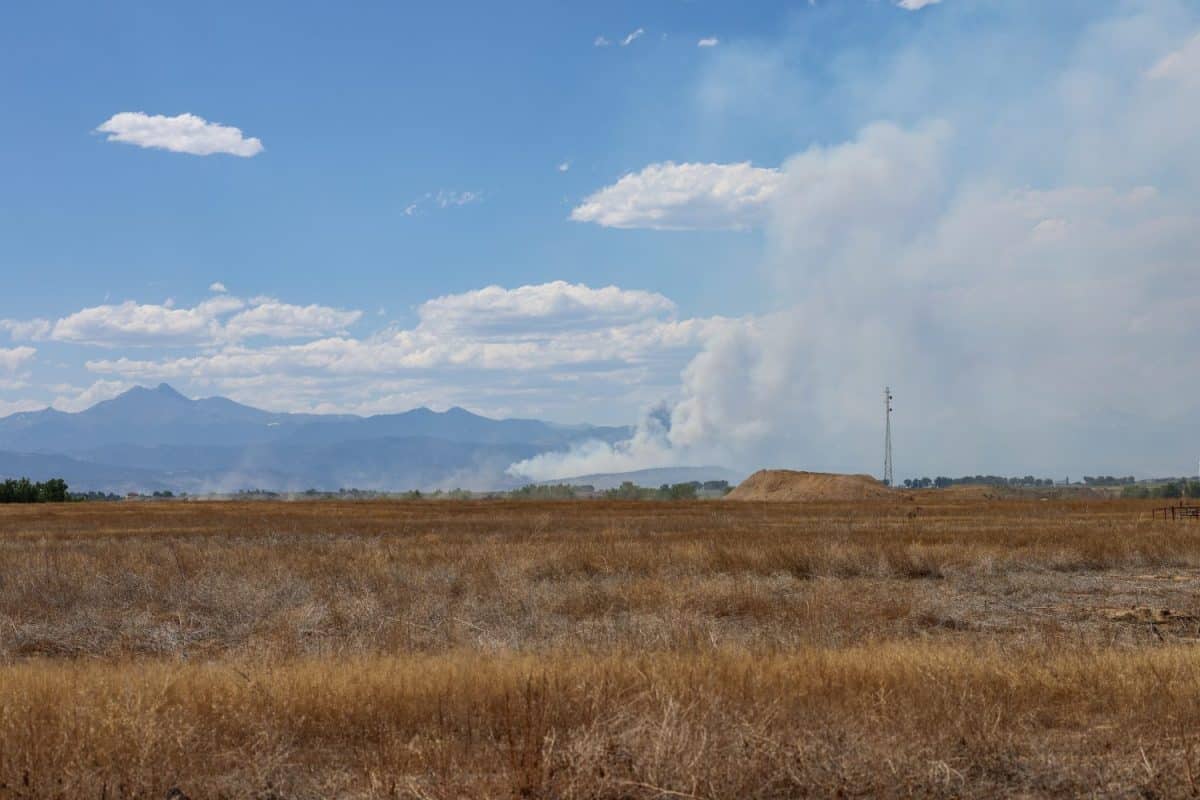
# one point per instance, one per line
(23, 490)
(53, 491)
(678, 491)
(628, 490)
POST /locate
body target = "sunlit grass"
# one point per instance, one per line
(602, 650)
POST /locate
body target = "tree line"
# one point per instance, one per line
(1109, 480)
(673, 491)
(942, 482)
(23, 490)
(1171, 490)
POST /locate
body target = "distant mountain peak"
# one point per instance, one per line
(163, 390)
(153, 437)
(162, 399)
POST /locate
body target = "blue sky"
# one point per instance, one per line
(577, 211)
(362, 111)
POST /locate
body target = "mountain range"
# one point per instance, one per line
(152, 439)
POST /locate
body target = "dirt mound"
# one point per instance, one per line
(785, 485)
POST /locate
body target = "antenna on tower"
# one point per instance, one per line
(887, 436)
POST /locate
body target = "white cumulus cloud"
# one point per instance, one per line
(136, 323)
(271, 318)
(710, 41)
(12, 359)
(673, 196)
(544, 308)
(916, 5)
(569, 342)
(27, 330)
(220, 319)
(185, 133)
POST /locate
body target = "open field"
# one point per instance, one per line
(596, 649)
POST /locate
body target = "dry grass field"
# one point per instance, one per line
(598, 650)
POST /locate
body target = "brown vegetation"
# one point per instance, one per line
(596, 649)
(790, 486)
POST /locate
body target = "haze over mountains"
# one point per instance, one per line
(158, 439)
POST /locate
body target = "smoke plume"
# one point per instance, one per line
(1018, 260)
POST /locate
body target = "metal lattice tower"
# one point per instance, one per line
(887, 436)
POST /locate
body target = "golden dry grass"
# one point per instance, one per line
(598, 650)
